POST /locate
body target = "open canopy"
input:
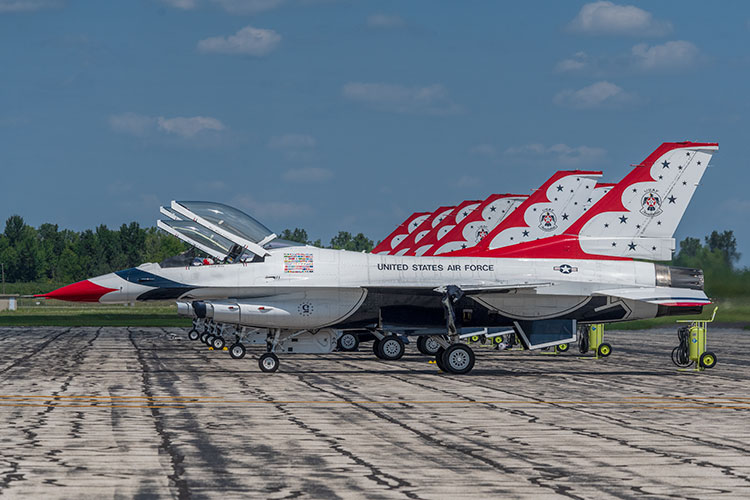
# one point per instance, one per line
(222, 220)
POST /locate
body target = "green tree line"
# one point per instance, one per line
(49, 255)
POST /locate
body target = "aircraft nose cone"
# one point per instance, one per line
(83, 291)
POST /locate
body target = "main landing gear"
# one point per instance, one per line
(457, 359)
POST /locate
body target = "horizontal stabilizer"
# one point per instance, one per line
(660, 295)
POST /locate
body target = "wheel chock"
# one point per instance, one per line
(210, 348)
(225, 348)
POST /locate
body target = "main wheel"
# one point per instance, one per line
(218, 343)
(605, 349)
(391, 348)
(439, 359)
(562, 347)
(375, 345)
(707, 359)
(268, 362)
(237, 351)
(427, 345)
(204, 336)
(193, 334)
(458, 359)
(348, 342)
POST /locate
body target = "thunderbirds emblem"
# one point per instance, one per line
(481, 233)
(548, 220)
(651, 203)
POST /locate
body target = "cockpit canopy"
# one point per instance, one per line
(223, 232)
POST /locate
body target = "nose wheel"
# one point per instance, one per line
(268, 362)
(193, 334)
(218, 343)
(237, 351)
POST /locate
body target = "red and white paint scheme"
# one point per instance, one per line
(637, 218)
(401, 232)
(432, 221)
(548, 211)
(541, 289)
(457, 215)
(478, 224)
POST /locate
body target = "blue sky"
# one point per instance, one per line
(350, 115)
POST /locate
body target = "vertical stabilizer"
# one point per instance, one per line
(400, 233)
(456, 216)
(478, 224)
(432, 220)
(547, 212)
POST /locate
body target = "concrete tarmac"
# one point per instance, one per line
(146, 413)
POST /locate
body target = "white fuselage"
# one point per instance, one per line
(546, 288)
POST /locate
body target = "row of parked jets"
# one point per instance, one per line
(576, 251)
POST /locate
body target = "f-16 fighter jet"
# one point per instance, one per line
(541, 289)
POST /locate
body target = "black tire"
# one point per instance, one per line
(237, 351)
(268, 362)
(210, 340)
(563, 347)
(193, 334)
(204, 335)
(707, 359)
(604, 349)
(348, 342)
(439, 358)
(375, 344)
(218, 343)
(391, 348)
(458, 359)
(427, 345)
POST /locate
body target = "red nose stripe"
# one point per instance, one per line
(83, 291)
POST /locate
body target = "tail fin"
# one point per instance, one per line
(640, 214)
(425, 227)
(456, 216)
(547, 212)
(638, 217)
(402, 231)
(478, 224)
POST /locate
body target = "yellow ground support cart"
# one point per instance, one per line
(591, 338)
(692, 347)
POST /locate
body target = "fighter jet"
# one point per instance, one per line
(541, 288)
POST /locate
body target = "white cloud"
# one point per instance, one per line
(560, 154)
(292, 141)
(670, 55)
(608, 18)
(597, 95)
(247, 41)
(579, 61)
(307, 174)
(28, 5)
(487, 150)
(143, 125)
(384, 21)
(188, 127)
(132, 123)
(181, 4)
(248, 6)
(231, 6)
(431, 100)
